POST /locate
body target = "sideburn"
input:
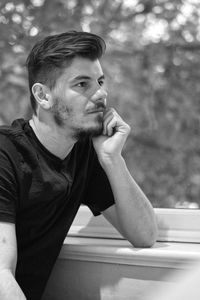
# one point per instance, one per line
(60, 112)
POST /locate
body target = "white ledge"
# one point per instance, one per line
(167, 255)
(180, 225)
(176, 225)
(94, 239)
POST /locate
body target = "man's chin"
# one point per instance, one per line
(82, 134)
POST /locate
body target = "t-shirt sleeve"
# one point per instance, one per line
(99, 195)
(8, 184)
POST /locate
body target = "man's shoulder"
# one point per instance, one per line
(14, 139)
(15, 128)
(5, 140)
(8, 153)
(8, 133)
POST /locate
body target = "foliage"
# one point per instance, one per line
(153, 69)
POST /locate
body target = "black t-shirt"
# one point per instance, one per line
(41, 194)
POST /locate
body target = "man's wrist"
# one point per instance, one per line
(112, 162)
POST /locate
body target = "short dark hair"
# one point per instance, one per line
(50, 55)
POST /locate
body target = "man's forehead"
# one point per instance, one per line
(83, 68)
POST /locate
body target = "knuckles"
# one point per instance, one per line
(115, 116)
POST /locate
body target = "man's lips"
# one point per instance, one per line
(100, 110)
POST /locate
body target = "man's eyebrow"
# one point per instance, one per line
(85, 77)
(81, 77)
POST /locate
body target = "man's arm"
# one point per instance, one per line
(9, 288)
(132, 214)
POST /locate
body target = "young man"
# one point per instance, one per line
(68, 154)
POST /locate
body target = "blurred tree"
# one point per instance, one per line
(153, 68)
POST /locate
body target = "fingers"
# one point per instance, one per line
(112, 121)
(107, 118)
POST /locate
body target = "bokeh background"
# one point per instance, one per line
(152, 65)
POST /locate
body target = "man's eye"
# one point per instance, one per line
(82, 84)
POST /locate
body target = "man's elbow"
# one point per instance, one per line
(146, 240)
(145, 243)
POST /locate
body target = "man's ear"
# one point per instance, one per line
(42, 95)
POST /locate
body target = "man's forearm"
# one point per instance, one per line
(135, 213)
(132, 214)
(9, 288)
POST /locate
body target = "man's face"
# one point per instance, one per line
(79, 98)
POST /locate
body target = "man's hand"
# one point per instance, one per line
(115, 132)
(132, 214)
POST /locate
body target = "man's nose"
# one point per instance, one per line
(100, 95)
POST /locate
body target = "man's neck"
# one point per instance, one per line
(54, 139)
